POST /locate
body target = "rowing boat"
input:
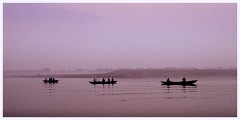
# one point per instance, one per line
(191, 82)
(100, 82)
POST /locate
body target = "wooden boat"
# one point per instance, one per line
(95, 81)
(191, 82)
(50, 80)
(100, 82)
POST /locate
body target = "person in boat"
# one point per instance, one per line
(94, 80)
(108, 80)
(184, 79)
(103, 80)
(112, 79)
(53, 79)
(168, 80)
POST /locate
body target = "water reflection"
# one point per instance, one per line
(102, 89)
(182, 87)
(179, 92)
(50, 87)
(189, 88)
(103, 86)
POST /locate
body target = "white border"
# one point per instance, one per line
(1, 60)
(119, 1)
(112, 1)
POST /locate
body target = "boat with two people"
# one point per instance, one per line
(95, 81)
(50, 80)
(183, 82)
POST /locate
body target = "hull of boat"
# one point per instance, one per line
(179, 83)
(47, 81)
(112, 82)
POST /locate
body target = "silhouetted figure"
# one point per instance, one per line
(94, 79)
(184, 79)
(168, 80)
(53, 79)
(103, 80)
(112, 79)
(108, 80)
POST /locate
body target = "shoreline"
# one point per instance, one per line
(141, 73)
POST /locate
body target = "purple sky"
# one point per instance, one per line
(88, 36)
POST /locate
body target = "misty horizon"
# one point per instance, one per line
(108, 70)
(91, 36)
(230, 67)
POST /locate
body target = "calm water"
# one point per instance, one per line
(129, 97)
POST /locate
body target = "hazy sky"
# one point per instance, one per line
(71, 36)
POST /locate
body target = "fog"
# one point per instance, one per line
(89, 36)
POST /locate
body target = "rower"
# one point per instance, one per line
(112, 79)
(184, 79)
(103, 80)
(168, 80)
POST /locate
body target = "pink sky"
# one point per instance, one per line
(88, 36)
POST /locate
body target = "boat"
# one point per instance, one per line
(100, 82)
(95, 81)
(191, 82)
(50, 80)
